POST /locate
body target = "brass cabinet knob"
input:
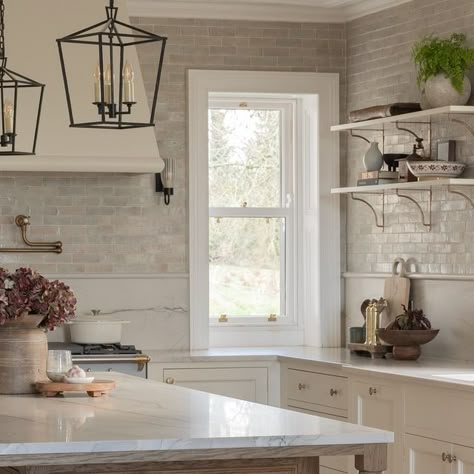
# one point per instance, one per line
(372, 391)
(170, 381)
(448, 457)
(301, 386)
(333, 392)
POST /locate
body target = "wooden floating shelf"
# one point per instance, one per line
(421, 116)
(415, 185)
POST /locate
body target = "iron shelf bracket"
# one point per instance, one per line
(464, 124)
(380, 225)
(425, 221)
(459, 193)
(419, 139)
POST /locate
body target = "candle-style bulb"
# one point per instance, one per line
(128, 83)
(108, 84)
(97, 76)
(8, 116)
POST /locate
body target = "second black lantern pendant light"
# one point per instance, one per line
(113, 100)
(20, 96)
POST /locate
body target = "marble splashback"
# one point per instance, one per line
(448, 304)
(155, 305)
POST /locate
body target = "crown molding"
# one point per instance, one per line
(367, 7)
(257, 10)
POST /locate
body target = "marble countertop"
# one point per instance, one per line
(143, 415)
(450, 373)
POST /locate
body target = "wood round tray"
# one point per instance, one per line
(93, 389)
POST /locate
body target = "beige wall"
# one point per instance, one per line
(117, 223)
(380, 71)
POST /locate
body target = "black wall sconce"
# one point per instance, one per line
(165, 179)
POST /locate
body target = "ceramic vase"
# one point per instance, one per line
(373, 159)
(23, 355)
(440, 92)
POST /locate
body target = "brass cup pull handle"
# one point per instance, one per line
(333, 392)
(448, 457)
(301, 386)
(170, 381)
(372, 391)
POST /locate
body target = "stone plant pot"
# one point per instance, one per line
(406, 344)
(440, 92)
(23, 355)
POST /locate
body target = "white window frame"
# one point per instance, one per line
(287, 209)
(319, 293)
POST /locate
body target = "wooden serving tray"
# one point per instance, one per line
(375, 351)
(93, 389)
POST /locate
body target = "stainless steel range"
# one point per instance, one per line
(107, 358)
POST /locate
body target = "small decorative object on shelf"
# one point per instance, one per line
(428, 170)
(114, 77)
(30, 304)
(446, 150)
(373, 160)
(406, 176)
(368, 178)
(442, 65)
(407, 332)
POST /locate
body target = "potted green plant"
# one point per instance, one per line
(442, 64)
(407, 332)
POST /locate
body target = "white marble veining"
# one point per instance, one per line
(146, 415)
(428, 370)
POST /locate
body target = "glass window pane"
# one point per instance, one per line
(244, 158)
(245, 266)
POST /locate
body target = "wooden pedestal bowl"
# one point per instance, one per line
(406, 344)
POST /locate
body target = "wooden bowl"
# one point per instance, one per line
(406, 344)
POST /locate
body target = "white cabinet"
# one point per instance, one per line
(314, 390)
(429, 456)
(380, 405)
(463, 460)
(425, 456)
(243, 383)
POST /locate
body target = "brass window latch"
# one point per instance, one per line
(223, 318)
(32, 247)
(272, 318)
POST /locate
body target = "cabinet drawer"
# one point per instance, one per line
(320, 389)
(243, 383)
(445, 415)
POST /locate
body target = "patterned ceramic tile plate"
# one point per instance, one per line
(436, 169)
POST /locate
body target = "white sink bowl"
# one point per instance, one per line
(436, 169)
(458, 377)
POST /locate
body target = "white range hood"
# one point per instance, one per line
(32, 27)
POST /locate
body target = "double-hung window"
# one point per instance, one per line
(264, 228)
(252, 210)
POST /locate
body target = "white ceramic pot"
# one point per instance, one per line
(440, 92)
(95, 331)
(373, 159)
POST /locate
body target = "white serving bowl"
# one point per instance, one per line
(78, 380)
(436, 169)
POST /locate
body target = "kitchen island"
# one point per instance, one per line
(150, 427)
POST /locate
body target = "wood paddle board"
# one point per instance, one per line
(396, 292)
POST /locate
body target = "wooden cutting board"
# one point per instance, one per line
(396, 292)
(93, 389)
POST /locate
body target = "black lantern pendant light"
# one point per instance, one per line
(17, 91)
(113, 100)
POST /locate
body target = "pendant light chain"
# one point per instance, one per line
(2, 29)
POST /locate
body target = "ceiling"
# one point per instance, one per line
(271, 10)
